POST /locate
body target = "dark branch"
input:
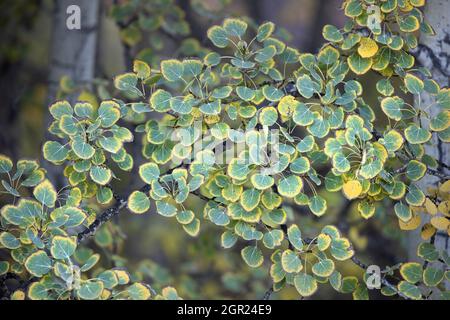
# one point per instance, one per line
(106, 216)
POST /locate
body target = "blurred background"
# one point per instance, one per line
(41, 61)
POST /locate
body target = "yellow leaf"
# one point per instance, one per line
(407, 8)
(105, 294)
(367, 48)
(352, 189)
(443, 208)
(440, 223)
(445, 187)
(412, 224)
(427, 231)
(18, 295)
(430, 207)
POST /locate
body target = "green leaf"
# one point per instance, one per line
(192, 228)
(228, 239)
(45, 193)
(253, 256)
(328, 55)
(302, 115)
(331, 33)
(218, 36)
(290, 186)
(81, 148)
(440, 122)
(317, 205)
(323, 242)
(68, 125)
(84, 110)
(432, 276)
(160, 100)
(192, 68)
(306, 144)
(110, 144)
(108, 278)
(415, 170)
(349, 284)
(261, 181)
(53, 151)
(24, 214)
(185, 216)
(4, 267)
(62, 247)
(392, 140)
(10, 189)
(409, 23)
(108, 113)
(139, 291)
(149, 172)
(89, 263)
(37, 291)
(138, 202)
(415, 196)
(291, 262)
(295, 237)
(341, 249)
(409, 290)
(218, 216)
(265, 54)
(392, 107)
(166, 209)
(9, 241)
(250, 199)
(413, 84)
(300, 165)
(358, 64)
(272, 94)
(5, 164)
(90, 290)
(385, 87)
(305, 86)
(264, 31)
(305, 284)
(235, 27)
(127, 82)
(142, 69)
(222, 92)
(172, 70)
(411, 272)
(268, 116)
(211, 108)
(340, 162)
(443, 98)
(323, 268)
(100, 175)
(245, 93)
(428, 252)
(38, 264)
(273, 238)
(60, 108)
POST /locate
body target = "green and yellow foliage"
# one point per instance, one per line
(327, 135)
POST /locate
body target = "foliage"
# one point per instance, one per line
(293, 122)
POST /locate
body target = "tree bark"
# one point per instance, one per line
(72, 54)
(434, 54)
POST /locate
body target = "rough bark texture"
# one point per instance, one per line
(434, 54)
(72, 54)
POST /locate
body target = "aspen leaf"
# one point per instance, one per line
(367, 48)
(352, 189)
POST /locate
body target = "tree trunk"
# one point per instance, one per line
(434, 54)
(72, 54)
